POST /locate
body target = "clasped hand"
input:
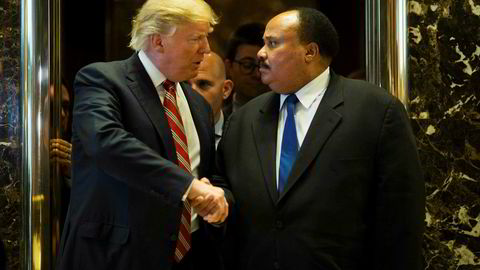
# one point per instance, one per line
(208, 201)
(61, 152)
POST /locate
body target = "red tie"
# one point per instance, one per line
(181, 146)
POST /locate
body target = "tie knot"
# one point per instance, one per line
(169, 85)
(290, 103)
(291, 99)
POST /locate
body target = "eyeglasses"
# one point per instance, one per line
(247, 66)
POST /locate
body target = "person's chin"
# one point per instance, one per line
(192, 74)
(264, 80)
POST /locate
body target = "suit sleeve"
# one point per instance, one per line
(400, 201)
(98, 126)
(219, 176)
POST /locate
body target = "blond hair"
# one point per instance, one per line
(162, 17)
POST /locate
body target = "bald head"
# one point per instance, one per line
(212, 63)
(299, 46)
(211, 82)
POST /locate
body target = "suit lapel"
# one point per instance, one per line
(264, 130)
(201, 124)
(142, 87)
(324, 122)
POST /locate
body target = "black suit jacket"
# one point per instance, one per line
(355, 196)
(126, 195)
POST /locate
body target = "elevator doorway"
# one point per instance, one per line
(104, 36)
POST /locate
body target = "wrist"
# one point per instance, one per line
(194, 189)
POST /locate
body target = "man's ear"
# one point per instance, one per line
(227, 88)
(311, 52)
(157, 43)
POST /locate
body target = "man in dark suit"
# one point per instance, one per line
(141, 142)
(324, 169)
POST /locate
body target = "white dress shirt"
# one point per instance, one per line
(193, 141)
(219, 129)
(309, 97)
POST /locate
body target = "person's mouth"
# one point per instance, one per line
(263, 66)
(197, 64)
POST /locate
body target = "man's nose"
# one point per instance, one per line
(205, 46)
(261, 54)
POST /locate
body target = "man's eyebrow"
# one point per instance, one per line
(199, 34)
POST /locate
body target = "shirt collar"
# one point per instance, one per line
(219, 125)
(311, 91)
(155, 75)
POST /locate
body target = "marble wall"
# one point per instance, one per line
(10, 130)
(445, 101)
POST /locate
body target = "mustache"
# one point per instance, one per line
(262, 64)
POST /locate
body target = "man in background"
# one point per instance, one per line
(242, 65)
(212, 84)
(61, 147)
(324, 169)
(143, 144)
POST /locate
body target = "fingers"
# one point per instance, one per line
(60, 150)
(206, 181)
(62, 145)
(219, 215)
(56, 153)
(196, 202)
(61, 141)
(198, 189)
(213, 207)
(206, 206)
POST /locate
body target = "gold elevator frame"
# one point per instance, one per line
(386, 37)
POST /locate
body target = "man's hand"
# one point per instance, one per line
(208, 201)
(61, 152)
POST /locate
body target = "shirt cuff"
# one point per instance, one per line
(184, 198)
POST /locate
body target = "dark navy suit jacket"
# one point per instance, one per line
(126, 203)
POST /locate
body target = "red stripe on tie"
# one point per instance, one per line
(184, 240)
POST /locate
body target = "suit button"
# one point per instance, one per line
(279, 225)
(276, 265)
(173, 237)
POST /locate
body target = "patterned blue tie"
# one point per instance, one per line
(289, 143)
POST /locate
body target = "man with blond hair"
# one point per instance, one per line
(143, 148)
(212, 83)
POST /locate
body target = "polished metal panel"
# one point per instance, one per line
(55, 92)
(35, 110)
(373, 41)
(387, 46)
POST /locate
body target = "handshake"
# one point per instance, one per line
(208, 201)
